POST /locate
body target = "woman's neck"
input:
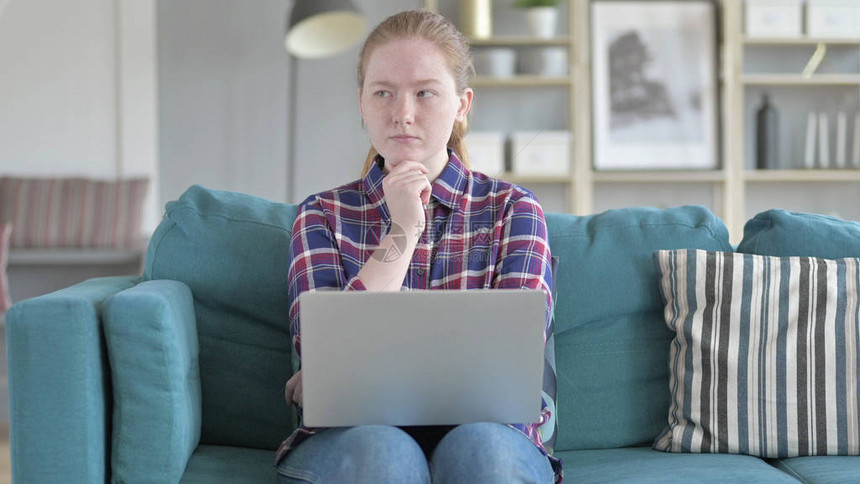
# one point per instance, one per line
(436, 166)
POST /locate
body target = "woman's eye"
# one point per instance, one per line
(426, 93)
(382, 94)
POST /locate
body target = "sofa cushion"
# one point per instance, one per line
(642, 464)
(73, 212)
(764, 361)
(229, 465)
(232, 250)
(784, 234)
(821, 469)
(611, 344)
(152, 346)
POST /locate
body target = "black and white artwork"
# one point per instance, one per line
(654, 82)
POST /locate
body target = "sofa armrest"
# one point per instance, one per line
(151, 334)
(59, 384)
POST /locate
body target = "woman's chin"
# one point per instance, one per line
(395, 157)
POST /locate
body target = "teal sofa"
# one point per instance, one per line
(178, 375)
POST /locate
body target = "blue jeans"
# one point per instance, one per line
(474, 453)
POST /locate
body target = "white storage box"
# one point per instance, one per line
(773, 18)
(495, 62)
(541, 153)
(544, 61)
(486, 152)
(833, 18)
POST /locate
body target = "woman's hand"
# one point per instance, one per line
(293, 392)
(407, 189)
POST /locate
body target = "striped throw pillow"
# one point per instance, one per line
(5, 300)
(765, 357)
(73, 212)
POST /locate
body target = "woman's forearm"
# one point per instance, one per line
(386, 269)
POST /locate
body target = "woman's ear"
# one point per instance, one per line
(360, 105)
(465, 103)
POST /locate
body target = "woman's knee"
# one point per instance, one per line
(488, 452)
(373, 453)
(387, 453)
(379, 442)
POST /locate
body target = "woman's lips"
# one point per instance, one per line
(404, 138)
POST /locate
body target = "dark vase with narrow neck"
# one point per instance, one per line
(767, 136)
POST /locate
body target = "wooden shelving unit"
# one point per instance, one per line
(660, 176)
(509, 40)
(533, 179)
(800, 80)
(801, 176)
(520, 81)
(732, 180)
(802, 40)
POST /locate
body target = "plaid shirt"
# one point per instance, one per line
(480, 233)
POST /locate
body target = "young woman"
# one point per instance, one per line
(418, 219)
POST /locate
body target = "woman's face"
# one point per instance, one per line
(409, 102)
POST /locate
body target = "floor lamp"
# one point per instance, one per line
(316, 29)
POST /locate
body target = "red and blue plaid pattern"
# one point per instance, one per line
(481, 233)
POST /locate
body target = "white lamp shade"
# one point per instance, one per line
(325, 33)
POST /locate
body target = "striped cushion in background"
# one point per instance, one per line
(73, 212)
(764, 361)
(5, 300)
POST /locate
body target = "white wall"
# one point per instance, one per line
(77, 90)
(224, 112)
(222, 75)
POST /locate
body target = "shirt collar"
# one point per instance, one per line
(447, 189)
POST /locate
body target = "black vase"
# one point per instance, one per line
(767, 136)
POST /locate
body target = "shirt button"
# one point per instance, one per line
(420, 272)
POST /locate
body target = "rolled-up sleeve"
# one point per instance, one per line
(315, 262)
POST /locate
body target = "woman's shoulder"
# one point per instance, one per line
(484, 185)
(349, 193)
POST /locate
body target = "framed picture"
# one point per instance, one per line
(655, 87)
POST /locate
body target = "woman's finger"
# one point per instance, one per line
(394, 177)
(293, 388)
(409, 165)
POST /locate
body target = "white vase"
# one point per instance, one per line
(542, 21)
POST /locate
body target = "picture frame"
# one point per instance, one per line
(655, 89)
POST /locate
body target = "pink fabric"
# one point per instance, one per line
(5, 300)
(72, 212)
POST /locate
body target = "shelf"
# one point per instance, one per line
(666, 176)
(811, 175)
(97, 256)
(533, 179)
(803, 40)
(515, 41)
(799, 80)
(520, 81)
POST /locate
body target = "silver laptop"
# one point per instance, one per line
(440, 357)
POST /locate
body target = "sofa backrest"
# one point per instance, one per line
(611, 344)
(232, 250)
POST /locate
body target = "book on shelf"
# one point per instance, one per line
(811, 132)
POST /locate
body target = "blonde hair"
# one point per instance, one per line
(438, 30)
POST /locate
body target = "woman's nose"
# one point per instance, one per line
(404, 111)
